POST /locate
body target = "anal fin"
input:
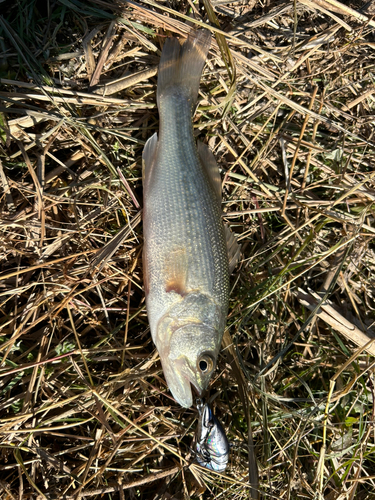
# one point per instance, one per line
(234, 249)
(209, 163)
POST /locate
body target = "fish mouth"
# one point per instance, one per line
(178, 382)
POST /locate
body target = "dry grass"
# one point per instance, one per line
(85, 411)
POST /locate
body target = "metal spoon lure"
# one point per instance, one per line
(212, 443)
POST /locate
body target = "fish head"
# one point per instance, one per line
(189, 359)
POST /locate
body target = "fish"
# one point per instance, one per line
(212, 443)
(185, 253)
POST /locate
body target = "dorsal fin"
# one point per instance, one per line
(148, 157)
(234, 249)
(209, 163)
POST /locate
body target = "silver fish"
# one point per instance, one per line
(212, 442)
(185, 259)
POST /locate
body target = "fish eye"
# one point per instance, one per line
(205, 363)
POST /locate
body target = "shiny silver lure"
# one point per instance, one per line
(212, 443)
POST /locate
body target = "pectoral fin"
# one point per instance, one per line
(176, 270)
(234, 249)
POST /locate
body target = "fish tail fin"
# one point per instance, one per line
(182, 66)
